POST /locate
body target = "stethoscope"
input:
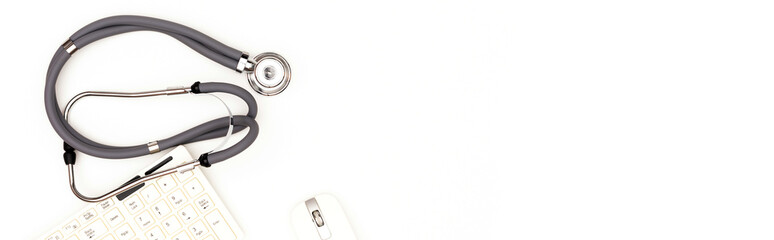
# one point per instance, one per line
(268, 74)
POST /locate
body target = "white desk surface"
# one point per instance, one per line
(429, 120)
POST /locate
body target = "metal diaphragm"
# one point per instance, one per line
(270, 74)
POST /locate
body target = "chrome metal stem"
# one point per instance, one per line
(151, 146)
(71, 174)
(171, 91)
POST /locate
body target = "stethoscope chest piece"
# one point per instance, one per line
(270, 74)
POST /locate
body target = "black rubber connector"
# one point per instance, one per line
(68, 148)
(195, 88)
(204, 161)
(69, 158)
(69, 154)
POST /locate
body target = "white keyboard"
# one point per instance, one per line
(178, 206)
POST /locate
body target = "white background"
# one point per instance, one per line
(428, 120)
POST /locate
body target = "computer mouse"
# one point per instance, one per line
(321, 218)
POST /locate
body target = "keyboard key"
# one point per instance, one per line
(204, 203)
(198, 229)
(150, 193)
(155, 234)
(104, 205)
(220, 226)
(182, 236)
(177, 198)
(194, 188)
(161, 209)
(187, 214)
(210, 237)
(93, 230)
(171, 224)
(55, 236)
(133, 204)
(109, 237)
(183, 176)
(88, 215)
(114, 217)
(144, 220)
(125, 232)
(73, 237)
(166, 183)
(70, 227)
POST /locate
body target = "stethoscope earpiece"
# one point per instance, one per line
(269, 74)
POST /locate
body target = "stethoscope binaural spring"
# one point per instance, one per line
(267, 73)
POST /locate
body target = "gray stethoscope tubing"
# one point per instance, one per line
(201, 43)
(209, 87)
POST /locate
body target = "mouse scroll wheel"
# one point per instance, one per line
(318, 218)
